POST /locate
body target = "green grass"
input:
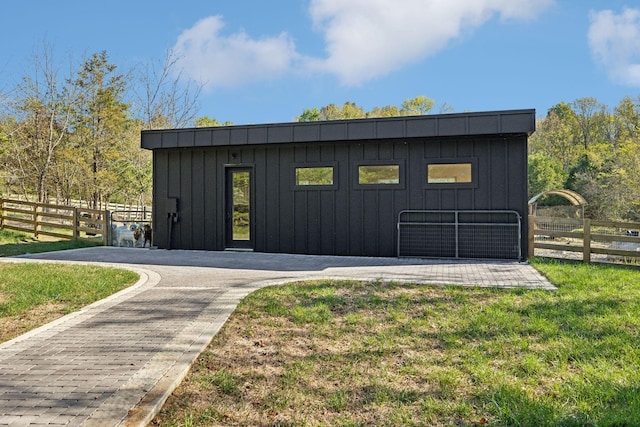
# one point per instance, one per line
(32, 294)
(15, 243)
(339, 353)
(26, 285)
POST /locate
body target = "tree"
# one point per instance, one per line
(205, 121)
(627, 119)
(555, 136)
(330, 112)
(101, 121)
(610, 180)
(5, 173)
(165, 98)
(417, 106)
(591, 118)
(350, 110)
(309, 115)
(74, 136)
(386, 111)
(623, 180)
(42, 111)
(545, 173)
(446, 108)
(133, 168)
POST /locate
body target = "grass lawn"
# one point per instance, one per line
(340, 353)
(14, 243)
(33, 294)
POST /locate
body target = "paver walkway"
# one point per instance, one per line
(116, 361)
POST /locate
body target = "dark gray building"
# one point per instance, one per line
(452, 185)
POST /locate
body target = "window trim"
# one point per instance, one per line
(473, 161)
(379, 186)
(295, 166)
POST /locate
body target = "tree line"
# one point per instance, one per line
(586, 147)
(350, 110)
(72, 131)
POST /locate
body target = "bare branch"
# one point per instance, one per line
(164, 96)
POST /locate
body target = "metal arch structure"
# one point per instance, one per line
(574, 198)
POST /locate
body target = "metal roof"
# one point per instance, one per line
(427, 126)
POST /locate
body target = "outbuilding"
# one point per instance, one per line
(450, 186)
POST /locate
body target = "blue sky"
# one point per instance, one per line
(266, 61)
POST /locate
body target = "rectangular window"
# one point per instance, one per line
(314, 175)
(378, 174)
(449, 173)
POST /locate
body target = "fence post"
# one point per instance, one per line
(76, 233)
(2, 213)
(36, 226)
(531, 236)
(106, 231)
(586, 241)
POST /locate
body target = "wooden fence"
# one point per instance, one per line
(589, 240)
(63, 222)
(82, 204)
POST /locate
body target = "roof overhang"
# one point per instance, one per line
(426, 126)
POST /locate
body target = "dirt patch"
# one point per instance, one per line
(14, 326)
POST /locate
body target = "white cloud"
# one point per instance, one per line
(364, 39)
(222, 61)
(615, 43)
(370, 38)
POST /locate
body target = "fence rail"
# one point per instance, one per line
(59, 221)
(82, 204)
(589, 240)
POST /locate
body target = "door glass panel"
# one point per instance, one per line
(241, 205)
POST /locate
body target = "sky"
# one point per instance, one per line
(265, 61)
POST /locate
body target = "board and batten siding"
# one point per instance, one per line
(345, 218)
